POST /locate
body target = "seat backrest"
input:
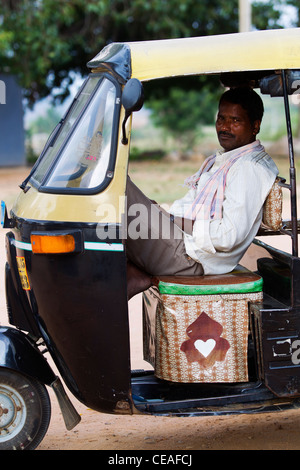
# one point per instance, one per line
(272, 210)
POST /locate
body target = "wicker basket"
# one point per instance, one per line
(201, 331)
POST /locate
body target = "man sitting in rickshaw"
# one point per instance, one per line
(211, 227)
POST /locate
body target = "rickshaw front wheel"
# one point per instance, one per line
(25, 411)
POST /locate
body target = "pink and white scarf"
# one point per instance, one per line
(210, 198)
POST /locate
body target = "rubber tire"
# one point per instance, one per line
(32, 420)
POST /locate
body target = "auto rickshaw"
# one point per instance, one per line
(66, 282)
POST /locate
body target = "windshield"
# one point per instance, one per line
(80, 157)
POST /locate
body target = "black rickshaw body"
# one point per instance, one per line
(66, 245)
(97, 262)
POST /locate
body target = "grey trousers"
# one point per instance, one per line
(154, 243)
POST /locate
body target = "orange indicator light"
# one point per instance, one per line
(41, 243)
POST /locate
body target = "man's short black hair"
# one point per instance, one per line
(248, 99)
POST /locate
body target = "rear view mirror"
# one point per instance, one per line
(132, 100)
(133, 95)
(272, 85)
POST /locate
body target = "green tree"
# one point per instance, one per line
(267, 14)
(182, 112)
(42, 41)
(45, 123)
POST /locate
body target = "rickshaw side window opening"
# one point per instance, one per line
(81, 156)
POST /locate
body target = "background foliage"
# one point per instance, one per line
(47, 43)
(43, 41)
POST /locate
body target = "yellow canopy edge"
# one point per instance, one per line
(257, 50)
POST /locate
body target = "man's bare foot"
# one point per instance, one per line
(137, 280)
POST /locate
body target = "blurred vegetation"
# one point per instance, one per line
(43, 42)
(47, 43)
(184, 112)
(152, 140)
(44, 123)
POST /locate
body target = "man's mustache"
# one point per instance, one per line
(226, 134)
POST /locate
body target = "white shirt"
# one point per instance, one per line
(220, 244)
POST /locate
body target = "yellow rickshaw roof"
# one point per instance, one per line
(256, 50)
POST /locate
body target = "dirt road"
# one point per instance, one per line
(267, 431)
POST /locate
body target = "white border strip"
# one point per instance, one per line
(22, 245)
(97, 246)
(94, 246)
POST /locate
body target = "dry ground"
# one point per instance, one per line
(267, 431)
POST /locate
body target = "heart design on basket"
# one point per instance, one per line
(205, 347)
(205, 344)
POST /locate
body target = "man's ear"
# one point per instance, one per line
(256, 127)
